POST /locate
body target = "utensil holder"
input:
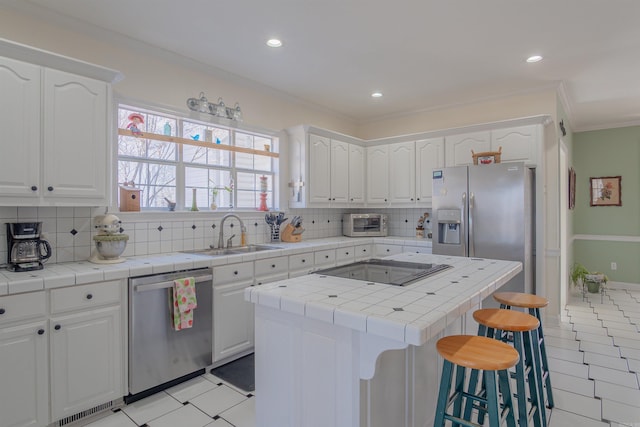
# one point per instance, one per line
(275, 233)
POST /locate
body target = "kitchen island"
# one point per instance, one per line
(343, 352)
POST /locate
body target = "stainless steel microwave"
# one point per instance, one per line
(364, 225)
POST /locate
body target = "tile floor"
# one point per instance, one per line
(594, 360)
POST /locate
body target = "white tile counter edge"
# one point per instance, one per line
(77, 273)
(411, 314)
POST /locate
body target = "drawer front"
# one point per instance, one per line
(416, 249)
(268, 279)
(323, 258)
(364, 251)
(345, 255)
(22, 306)
(385, 250)
(85, 296)
(301, 261)
(232, 273)
(271, 266)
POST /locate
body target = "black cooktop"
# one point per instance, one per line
(397, 273)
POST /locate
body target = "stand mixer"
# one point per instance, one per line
(110, 242)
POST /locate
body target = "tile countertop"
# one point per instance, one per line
(82, 272)
(411, 314)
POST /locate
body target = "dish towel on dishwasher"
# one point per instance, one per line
(184, 301)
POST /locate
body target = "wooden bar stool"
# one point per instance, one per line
(533, 303)
(494, 358)
(528, 376)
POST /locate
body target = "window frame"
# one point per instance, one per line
(181, 166)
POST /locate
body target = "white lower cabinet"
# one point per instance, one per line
(345, 255)
(86, 360)
(24, 375)
(232, 315)
(58, 361)
(417, 249)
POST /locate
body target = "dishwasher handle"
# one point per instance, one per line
(168, 284)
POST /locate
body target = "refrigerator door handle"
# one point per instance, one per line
(463, 238)
(472, 249)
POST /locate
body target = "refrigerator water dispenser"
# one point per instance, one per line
(449, 221)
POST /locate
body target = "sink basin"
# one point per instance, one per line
(231, 251)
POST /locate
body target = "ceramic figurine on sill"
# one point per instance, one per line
(136, 120)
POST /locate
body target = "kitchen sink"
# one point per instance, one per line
(232, 251)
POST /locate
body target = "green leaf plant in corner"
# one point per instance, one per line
(581, 276)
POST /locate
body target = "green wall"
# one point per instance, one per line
(610, 152)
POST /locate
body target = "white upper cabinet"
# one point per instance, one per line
(339, 174)
(54, 119)
(378, 175)
(402, 173)
(20, 124)
(75, 137)
(319, 170)
(519, 144)
(356, 174)
(429, 156)
(324, 172)
(458, 147)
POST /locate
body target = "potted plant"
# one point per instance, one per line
(593, 281)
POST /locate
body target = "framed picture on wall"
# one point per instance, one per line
(572, 188)
(605, 191)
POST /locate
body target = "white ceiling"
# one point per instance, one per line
(422, 54)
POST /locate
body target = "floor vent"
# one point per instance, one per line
(84, 414)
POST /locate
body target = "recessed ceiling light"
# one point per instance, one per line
(534, 58)
(376, 95)
(274, 43)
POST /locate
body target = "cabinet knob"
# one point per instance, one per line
(385, 200)
(57, 327)
(259, 283)
(329, 198)
(346, 253)
(89, 296)
(303, 261)
(387, 250)
(40, 331)
(2, 311)
(333, 199)
(235, 272)
(418, 198)
(273, 266)
(412, 199)
(50, 188)
(352, 199)
(34, 188)
(364, 250)
(326, 256)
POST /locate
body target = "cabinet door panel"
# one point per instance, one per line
(232, 321)
(319, 170)
(339, 172)
(20, 124)
(518, 143)
(75, 135)
(458, 147)
(86, 360)
(356, 174)
(378, 174)
(24, 376)
(429, 155)
(402, 172)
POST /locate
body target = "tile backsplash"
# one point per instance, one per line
(70, 231)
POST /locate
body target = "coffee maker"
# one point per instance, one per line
(25, 249)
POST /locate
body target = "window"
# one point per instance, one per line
(172, 158)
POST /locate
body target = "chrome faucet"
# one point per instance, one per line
(243, 230)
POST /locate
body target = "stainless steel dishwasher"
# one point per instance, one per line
(160, 356)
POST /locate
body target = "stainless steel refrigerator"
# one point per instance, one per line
(487, 211)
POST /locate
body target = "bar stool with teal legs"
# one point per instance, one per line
(491, 356)
(533, 303)
(523, 327)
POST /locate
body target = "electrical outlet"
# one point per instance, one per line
(614, 266)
